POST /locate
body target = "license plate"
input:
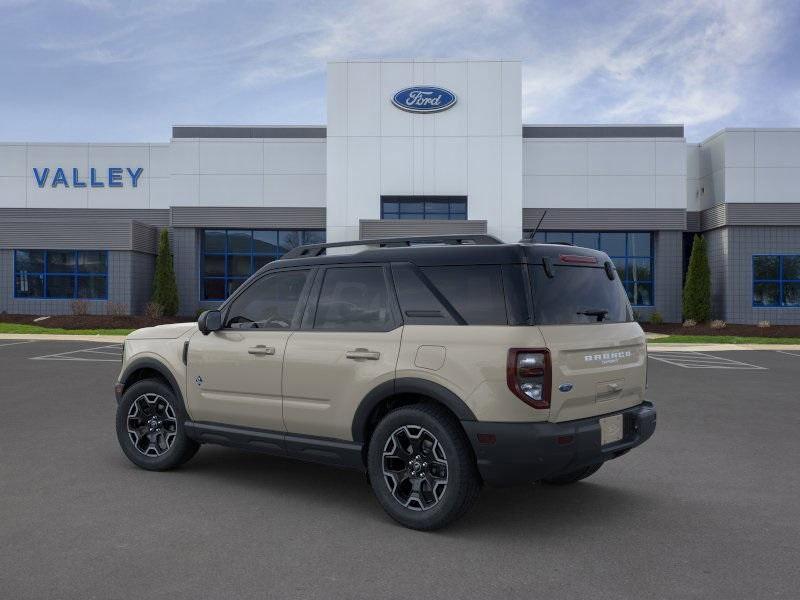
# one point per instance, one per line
(610, 429)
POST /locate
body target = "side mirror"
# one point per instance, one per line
(210, 320)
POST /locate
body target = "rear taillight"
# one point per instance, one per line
(528, 376)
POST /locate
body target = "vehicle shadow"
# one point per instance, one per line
(539, 510)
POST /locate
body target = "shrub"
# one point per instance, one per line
(153, 310)
(764, 324)
(79, 308)
(718, 324)
(697, 290)
(116, 309)
(689, 323)
(656, 318)
(165, 288)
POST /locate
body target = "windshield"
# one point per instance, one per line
(578, 295)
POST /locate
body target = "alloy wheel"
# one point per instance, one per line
(152, 425)
(415, 467)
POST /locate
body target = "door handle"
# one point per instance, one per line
(261, 350)
(363, 353)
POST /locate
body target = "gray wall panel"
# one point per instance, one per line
(374, 228)
(602, 131)
(144, 238)
(231, 132)
(157, 217)
(257, 217)
(67, 234)
(693, 221)
(605, 219)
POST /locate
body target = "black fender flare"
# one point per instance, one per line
(407, 385)
(147, 362)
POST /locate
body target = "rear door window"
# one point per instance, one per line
(475, 291)
(354, 299)
(578, 295)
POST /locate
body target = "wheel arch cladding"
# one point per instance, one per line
(402, 392)
(150, 368)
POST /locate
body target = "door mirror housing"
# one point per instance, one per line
(210, 320)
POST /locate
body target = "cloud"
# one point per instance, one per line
(682, 62)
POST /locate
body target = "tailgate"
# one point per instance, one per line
(597, 368)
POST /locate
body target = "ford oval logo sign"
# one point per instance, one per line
(424, 99)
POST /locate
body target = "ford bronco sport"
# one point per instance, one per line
(433, 364)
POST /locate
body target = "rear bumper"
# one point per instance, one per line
(528, 452)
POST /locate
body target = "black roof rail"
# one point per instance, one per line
(312, 250)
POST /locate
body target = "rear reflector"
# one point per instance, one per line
(563, 440)
(487, 438)
(577, 258)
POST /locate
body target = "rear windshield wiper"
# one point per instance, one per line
(600, 313)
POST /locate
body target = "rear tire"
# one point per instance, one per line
(150, 427)
(573, 476)
(421, 467)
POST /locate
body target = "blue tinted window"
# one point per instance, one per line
(776, 280)
(631, 252)
(448, 208)
(67, 274)
(230, 256)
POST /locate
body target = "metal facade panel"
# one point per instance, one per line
(65, 234)
(602, 131)
(144, 238)
(151, 216)
(605, 219)
(374, 228)
(255, 217)
(311, 132)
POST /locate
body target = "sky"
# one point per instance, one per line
(126, 71)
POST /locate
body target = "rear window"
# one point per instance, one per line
(578, 295)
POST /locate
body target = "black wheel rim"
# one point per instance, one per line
(415, 467)
(152, 425)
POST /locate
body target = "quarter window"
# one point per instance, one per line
(448, 208)
(776, 280)
(269, 303)
(354, 299)
(66, 274)
(230, 256)
(475, 292)
(631, 252)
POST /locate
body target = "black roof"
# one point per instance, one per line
(483, 253)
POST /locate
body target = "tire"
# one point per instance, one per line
(573, 476)
(150, 427)
(434, 484)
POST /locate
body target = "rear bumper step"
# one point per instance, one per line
(518, 453)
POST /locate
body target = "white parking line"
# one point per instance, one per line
(101, 350)
(789, 353)
(701, 360)
(15, 343)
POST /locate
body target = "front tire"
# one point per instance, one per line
(150, 427)
(421, 467)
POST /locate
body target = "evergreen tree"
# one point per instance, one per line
(697, 290)
(165, 288)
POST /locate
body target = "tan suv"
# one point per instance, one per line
(433, 364)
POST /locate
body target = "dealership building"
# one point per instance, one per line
(411, 147)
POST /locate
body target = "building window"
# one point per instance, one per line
(64, 274)
(230, 256)
(776, 280)
(448, 208)
(631, 252)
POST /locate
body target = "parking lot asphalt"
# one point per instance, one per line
(708, 508)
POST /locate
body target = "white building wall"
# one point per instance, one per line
(208, 172)
(604, 173)
(472, 149)
(750, 166)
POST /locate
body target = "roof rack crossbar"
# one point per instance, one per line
(312, 250)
